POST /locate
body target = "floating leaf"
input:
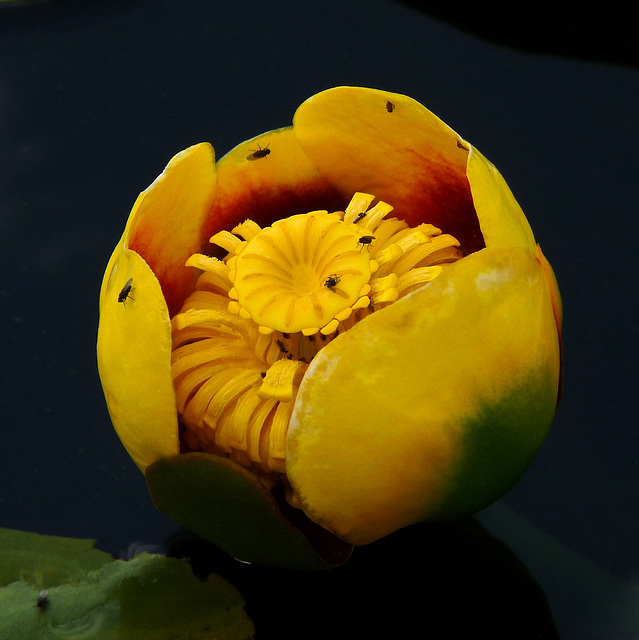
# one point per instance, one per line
(85, 594)
(221, 501)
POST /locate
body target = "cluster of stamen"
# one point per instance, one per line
(244, 338)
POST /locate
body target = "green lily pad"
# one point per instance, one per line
(225, 504)
(58, 588)
(46, 561)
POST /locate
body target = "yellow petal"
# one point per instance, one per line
(134, 359)
(406, 156)
(283, 183)
(557, 306)
(144, 281)
(502, 222)
(553, 287)
(432, 407)
(167, 223)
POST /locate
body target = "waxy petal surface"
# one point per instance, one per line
(282, 183)
(134, 359)
(134, 336)
(433, 407)
(407, 157)
(167, 223)
(502, 222)
(428, 409)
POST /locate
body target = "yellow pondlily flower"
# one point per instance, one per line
(351, 312)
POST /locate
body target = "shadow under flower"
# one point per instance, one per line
(421, 579)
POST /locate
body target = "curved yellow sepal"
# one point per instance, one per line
(134, 359)
(274, 186)
(350, 135)
(168, 221)
(390, 145)
(502, 222)
(144, 281)
(429, 408)
(380, 431)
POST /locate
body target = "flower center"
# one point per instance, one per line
(303, 274)
(243, 339)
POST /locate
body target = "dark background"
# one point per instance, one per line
(96, 97)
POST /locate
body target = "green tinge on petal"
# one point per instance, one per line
(396, 415)
(499, 442)
(224, 503)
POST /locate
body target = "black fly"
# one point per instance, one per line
(126, 292)
(260, 153)
(42, 601)
(282, 346)
(365, 241)
(331, 281)
(359, 217)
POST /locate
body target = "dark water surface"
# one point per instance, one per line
(96, 97)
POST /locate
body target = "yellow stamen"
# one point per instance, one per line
(244, 338)
(227, 241)
(206, 263)
(357, 207)
(417, 277)
(419, 253)
(247, 230)
(281, 378)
